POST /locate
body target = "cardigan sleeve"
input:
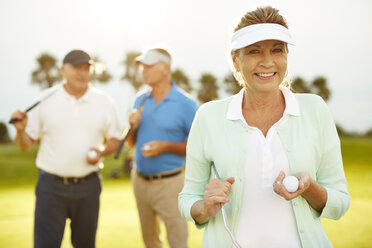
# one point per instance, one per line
(198, 168)
(330, 173)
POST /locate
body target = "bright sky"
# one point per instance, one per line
(333, 39)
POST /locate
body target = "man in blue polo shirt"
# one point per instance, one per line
(160, 121)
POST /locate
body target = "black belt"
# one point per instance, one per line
(157, 176)
(71, 180)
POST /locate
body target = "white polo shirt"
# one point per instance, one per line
(266, 219)
(68, 127)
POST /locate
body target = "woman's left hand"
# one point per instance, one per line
(303, 185)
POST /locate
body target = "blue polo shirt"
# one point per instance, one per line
(169, 120)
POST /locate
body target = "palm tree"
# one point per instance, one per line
(318, 86)
(368, 133)
(131, 69)
(47, 74)
(4, 136)
(100, 73)
(298, 85)
(209, 88)
(180, 78)
(232, 85)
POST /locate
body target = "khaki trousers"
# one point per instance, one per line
(159, 198)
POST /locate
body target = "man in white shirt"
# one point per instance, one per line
(74, 119)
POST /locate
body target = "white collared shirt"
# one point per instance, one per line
(266, 219)
(68, 127)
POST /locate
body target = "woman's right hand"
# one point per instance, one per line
(216, 194)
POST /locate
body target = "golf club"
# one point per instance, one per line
(117, 154)
(34, 105)
(224, 217)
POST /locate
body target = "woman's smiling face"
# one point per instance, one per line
(262, 65)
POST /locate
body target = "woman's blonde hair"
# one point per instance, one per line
(266, 14)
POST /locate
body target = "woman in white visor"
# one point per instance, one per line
(241, 149)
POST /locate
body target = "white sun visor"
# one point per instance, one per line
(151, 57)
(258, 32)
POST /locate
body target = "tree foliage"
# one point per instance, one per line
(209, 89)
(353, 134)
(299, 85)
(368, 133)
(100, 73)
(4, 136)
(318, 86)
(131, 69)
(341, 131)
(47, 73)
(232, 85)
(180, 78)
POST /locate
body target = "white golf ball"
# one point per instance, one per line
(146, 147)
(92, 154)
(290, 183)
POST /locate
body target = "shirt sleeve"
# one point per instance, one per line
(136, 103)
(189, 115)
(198, 171)
(34, 124)
(140, 100)
(330, 173)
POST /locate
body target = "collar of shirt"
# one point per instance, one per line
(172, 94)
(234, 110)
(83, 98)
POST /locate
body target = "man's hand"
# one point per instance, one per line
(135, 117)
(157, 147)
(93, 160)
(154, 148)
(21, 118)
(22, 139)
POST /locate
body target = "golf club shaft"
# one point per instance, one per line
(28, 109)
(35, 104)
(224, 217)
(227, 227)
(117, 154)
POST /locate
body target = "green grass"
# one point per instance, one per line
(118, 223)
(354, 229)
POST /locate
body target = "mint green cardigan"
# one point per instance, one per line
(311, 143)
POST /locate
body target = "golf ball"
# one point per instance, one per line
(290, 183)
(146, 147)
(92, 154)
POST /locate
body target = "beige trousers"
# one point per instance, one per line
(159, 198)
